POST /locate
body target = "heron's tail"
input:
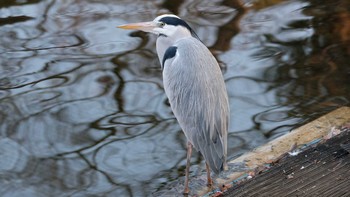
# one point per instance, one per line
(214, 152)
(215, 160)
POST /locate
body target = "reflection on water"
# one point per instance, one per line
(82, 107)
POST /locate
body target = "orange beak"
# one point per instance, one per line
(144, 26)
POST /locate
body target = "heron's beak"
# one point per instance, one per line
(144, 26)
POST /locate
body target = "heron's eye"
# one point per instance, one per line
(161, 24)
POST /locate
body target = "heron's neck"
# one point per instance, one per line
(166, 41)
(162, 44)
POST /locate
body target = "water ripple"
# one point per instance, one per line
(54, 41)
(109, 48)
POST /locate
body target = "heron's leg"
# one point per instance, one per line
(189, 153)
(210, 181)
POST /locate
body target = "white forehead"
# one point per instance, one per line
(165, 15)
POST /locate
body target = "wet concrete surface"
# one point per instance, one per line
(323, 170)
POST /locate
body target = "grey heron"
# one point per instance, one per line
(195, 87)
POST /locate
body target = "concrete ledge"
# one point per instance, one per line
(321, 170)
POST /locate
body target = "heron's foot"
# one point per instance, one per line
(210, 182)
(186, 191)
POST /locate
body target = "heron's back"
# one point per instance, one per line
(197, 94)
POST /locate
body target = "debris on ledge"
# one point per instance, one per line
(320, 170)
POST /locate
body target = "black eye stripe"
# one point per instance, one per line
(175, 21)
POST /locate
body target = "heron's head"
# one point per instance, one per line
(165, 25)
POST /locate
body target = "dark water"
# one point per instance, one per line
(83, 111)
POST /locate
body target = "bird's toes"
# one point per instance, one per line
(186, 192)
(210, 183)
